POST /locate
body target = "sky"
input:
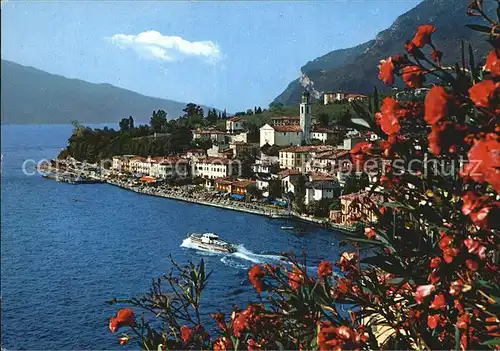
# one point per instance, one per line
(226, 54)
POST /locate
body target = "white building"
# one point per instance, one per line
(205, 134)
(350, 142)
(169, 167)
(296, 157)
(214, 167)
(239, 137)
(198, 153)
(288, 180)
(321, 189)
(234, 125)
(323, 134)
(285, 131)
(280, 135)
(327, 161)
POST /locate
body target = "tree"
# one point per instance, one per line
(300, 193)
(212, 116)
(355, 182)
(192, 109)
(253, 191)
(246, 161)
(276, 107)
(240, 113)
(249, 112)
(259, 111)
(274, 189)
(126, 124)
(323, 119)
(158, 121)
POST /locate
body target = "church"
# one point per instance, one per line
(286, 131)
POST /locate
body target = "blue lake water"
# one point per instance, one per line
(62, 259)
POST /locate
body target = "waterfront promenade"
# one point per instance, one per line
(205, 198)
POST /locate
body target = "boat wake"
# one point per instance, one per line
(231, 259)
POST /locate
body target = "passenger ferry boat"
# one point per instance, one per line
(210, 242)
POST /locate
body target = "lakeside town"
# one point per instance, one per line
(296, 170)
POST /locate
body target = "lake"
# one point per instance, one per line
(66, 249)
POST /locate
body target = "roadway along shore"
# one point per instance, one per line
(225, 204)
(205, 199)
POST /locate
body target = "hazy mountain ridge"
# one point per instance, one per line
(355, 71)
(31, 96)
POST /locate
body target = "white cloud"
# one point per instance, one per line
(155, 46)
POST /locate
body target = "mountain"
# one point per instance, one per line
(30, 95)
(356, 69)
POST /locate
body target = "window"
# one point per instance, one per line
(301, 109)
(284, 133)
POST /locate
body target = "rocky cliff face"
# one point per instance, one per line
(355, 69)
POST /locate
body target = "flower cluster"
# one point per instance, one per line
(429, 278)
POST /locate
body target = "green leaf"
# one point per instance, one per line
(376, 102)
(463, 54)
(457, 338)
(472, 65)
(394, 204)
(480, 28)
(492, 342)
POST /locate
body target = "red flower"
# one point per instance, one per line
(341, 338)
(348, 260)
(449, 253)
(438, 303)
(446, 137)
(389, 116)
(249, 320)
(472, 264)
(255, 275)
(423, 291)
(437, 102)
(186, 334)
(433, 321)
(493, 63)
(123, 340)
(296, 278)
(327, 337)
(413, 50)
(386, 74)
(370, 233)
(437, 56)
(463, 321)
(458, 287)
(436, 262)
(219, 318)
(124, 317)
(413, 76)
(475, 248)
(423, 35)
(223, 344)
(485, 94)
(325, 269)
(484, 162)
(482, 210)
(360, 153)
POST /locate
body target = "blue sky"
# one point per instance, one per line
(232, 55)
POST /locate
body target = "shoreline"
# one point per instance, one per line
(278, 214)
(226, 204)
(274, 214)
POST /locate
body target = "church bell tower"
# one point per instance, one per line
(305, 117)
